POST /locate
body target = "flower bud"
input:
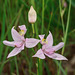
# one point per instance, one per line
(65, 4)
(32, 15)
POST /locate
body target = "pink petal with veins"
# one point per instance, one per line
(41, 36)
(39, 54)
(59, 46)
(31, 42)
(15, 51)
(56, 56)
(9, 43)
(23, 27)
(15, 35)
(49, 39)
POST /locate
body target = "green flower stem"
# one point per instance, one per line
(33, 28)
(65, 34)
(38, 64)
(67, 27)
(42, 16)
(16, 65)
(61, 16)
(33, 3)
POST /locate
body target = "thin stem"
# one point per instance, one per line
(16, 66)
(42, 16)
(67, 27)
(33, 28)
(65, 34)
(37, 66)
(61, 16)
(33, 3)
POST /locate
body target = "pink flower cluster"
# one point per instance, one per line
(47, 44)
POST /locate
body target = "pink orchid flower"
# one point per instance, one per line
(48, 49)
(19, 41)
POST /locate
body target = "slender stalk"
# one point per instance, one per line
(67, 27)
(39, 66)
(42, 16)
(33, 3)
(61, 16)
(65, 34)
(33, 29)
(17, 70)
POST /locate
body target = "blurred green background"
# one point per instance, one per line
(15, 12)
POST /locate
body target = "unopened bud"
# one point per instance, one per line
(65, 4)
(32, 16)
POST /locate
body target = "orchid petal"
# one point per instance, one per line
(59, 46)
(41, 36)
(49, 39)
(31, 42)
(56, 56)
(39, 54)
(9, 43)
(15, 51)
(15, 35)
(23, 27)
(13, 44)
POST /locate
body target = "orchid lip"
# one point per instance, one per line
(18, 46)
(24, 40)
(48, 52)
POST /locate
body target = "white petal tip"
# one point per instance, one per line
(33, 56)
(49, 32)
(38, 57)
(8, 57)
(66, 59)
